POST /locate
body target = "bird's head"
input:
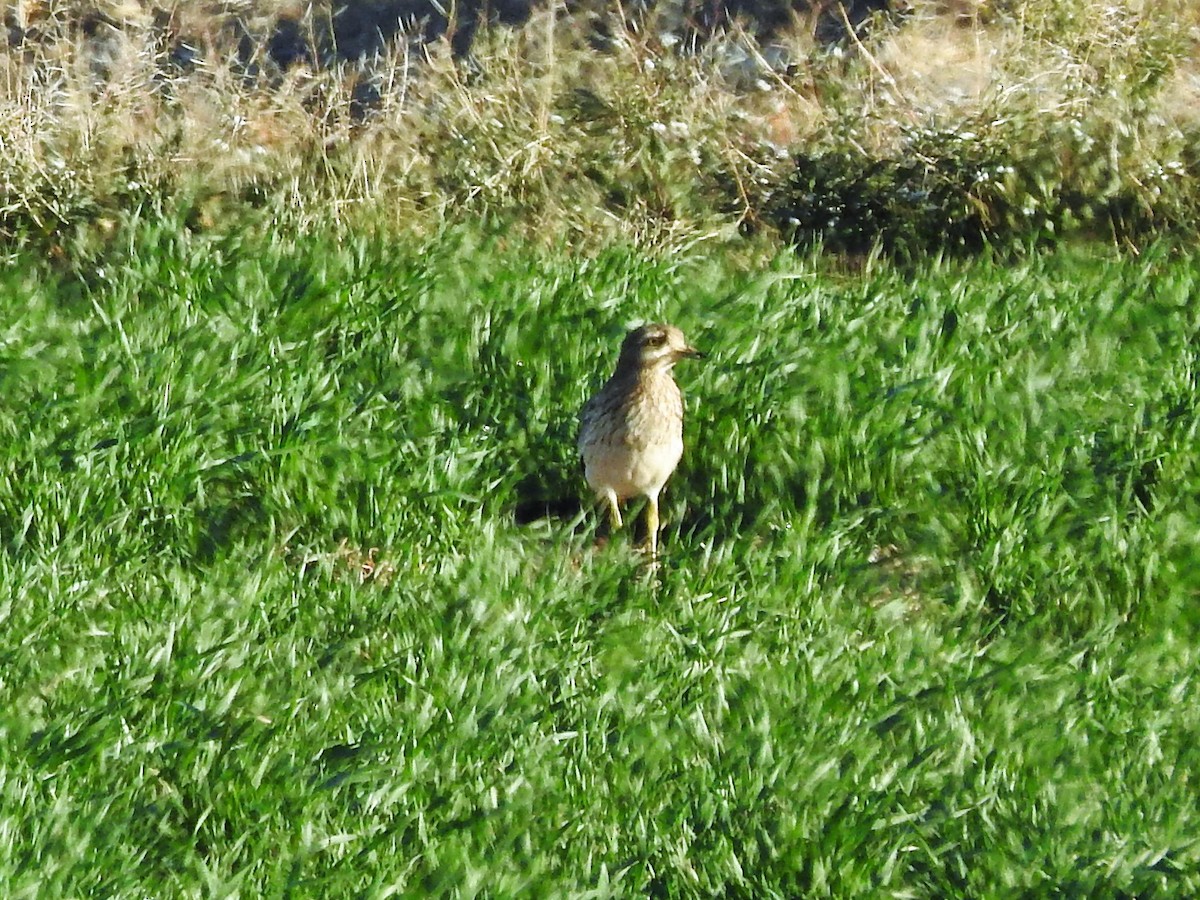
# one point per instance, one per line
(655, 346)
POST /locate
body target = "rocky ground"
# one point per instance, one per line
(288, 33)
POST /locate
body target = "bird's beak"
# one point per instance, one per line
(692, 353)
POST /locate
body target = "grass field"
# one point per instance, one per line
(273, 622)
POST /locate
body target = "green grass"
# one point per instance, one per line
(926, 623)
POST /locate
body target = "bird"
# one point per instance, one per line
(631, 430)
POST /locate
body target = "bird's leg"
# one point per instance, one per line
(614, 508)
(652, 525)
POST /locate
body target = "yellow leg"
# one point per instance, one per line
(614, 509)
(652, 525)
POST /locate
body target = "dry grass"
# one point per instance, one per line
(538, 132)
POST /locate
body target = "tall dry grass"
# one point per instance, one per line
(541, 134)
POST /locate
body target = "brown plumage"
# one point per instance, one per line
(631, 432)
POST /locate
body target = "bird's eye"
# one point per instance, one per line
(656, 340)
